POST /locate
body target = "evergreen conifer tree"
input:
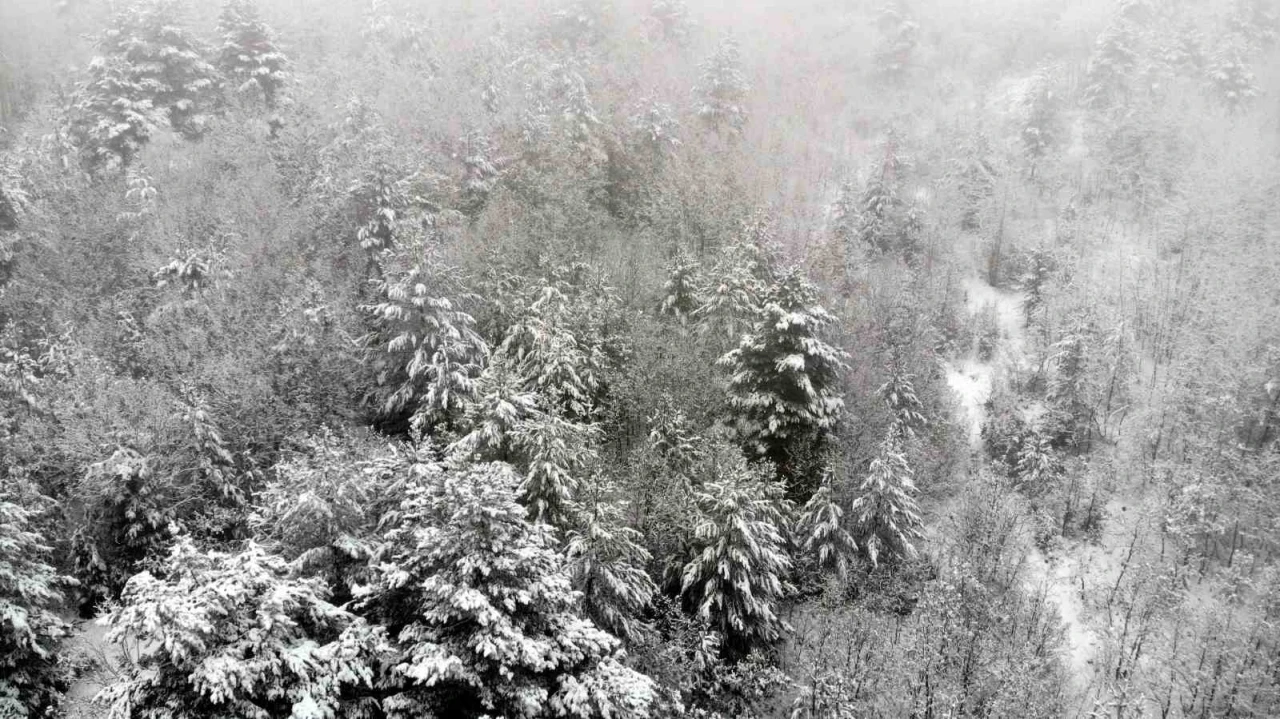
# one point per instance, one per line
(722, 92)
(822, 534)
(738, 577)
(607, 563)
(482, 612)
(235, 635)
(885, 516)
(682, 290)
(31, 678)
(424, 352)
(167, 60)
(783, 378)
(249, 57)
(114, 115)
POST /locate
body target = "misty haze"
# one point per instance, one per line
(639, 359)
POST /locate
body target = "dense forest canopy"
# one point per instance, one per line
(639, 358)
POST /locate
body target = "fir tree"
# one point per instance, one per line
(783, 378)
(821, 532)
(899, 395)
(502, 403)
(1040, 116)
(899, 36)
(738, 577)
(115, 114)
(1232, 80)
(682, 290)
(976, 176)
(1110, 67)
(607, 564)
(249, 57)
(886, 222)
(234, 635)
(556, 453)
(127, 520)
(732, 297)
(722, 92)
(31, 677)
(671, 18)
(564, 371)
(482, 610)
(424, 352)
(1067, 390)
(166, 60)
(885, 516)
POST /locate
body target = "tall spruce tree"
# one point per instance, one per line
(167, 59)
(722, 92)
(424, 352)
(249, 57)
(739, 575)
(885, 516)
(783, 378)
(31, 679)
(481, 608)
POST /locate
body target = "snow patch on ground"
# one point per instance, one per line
(972, 379)
(89, 639)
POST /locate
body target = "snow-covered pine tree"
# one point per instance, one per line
(721, 94)
(31, 679)
(682, 290)
(607, 564)
(783, 378)
(424, 352)
(1040, 121)
(975, 174)
(564, 371)
(501, 404)
(885, 219)
(1258, 21)
(737, 283)
(671, 19)
(1071, 412)
(900, 34)
(235, 635)
(738, 577)
(1231, 79)
(249, 57)
(166, 60)
(483, 612)
(114, 114)
(1110, 67)
(885, 516)
(821, 532)
(899, 394)
(555, 453)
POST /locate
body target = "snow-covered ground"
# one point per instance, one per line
(973, 380)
